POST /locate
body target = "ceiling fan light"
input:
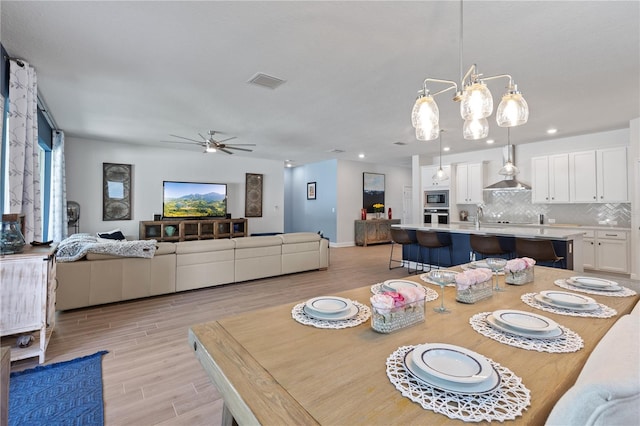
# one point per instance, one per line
(513, 110)
(475, 129)
(425, 112)
(209, 148)
(477, 102)
(509, 169)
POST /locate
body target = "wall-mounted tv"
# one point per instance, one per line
(194, 200)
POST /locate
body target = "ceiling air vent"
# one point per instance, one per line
(336, 151)
(265, 80)
(400, 143)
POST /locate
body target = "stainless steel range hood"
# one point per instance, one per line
(509, 182)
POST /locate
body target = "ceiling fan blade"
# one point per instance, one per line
(203, 138)
(224, 150)
(182, 137)
(227, 139)
(185, 143)
(241, 144)
(239, 149)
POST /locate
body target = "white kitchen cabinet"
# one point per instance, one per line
(550, 179)
(599, 176)
(606, 251)
(428, 183)
(27, 299)
(469, 183)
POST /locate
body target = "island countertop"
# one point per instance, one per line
(505, 231)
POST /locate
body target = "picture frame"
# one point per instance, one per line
(372, 190)
(116, 191)
(311, 190)
(253, 195)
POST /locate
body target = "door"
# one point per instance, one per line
(540, 180)
(612, 175)
(582, 175)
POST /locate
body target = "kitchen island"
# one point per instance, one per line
(567, 243)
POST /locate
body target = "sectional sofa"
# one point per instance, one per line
(98, 278)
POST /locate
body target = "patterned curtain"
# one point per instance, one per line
(22, 150)
(58, 206)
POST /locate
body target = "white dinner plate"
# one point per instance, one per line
(395, 285)
(553, 334)
(525, 321)
(540, 298)
(328, 305)
(590, 282)
(352, 312)
(615, 287)
(567, 299)
(451, 363)
(488, 385)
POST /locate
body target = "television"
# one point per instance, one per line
(194, 200)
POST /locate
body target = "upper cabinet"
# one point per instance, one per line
(428, 183)
(469, 183)
(550, 179)
(599, 176)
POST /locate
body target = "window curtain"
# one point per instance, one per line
(23, 166)
(58, 205)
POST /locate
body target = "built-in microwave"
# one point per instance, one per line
(436, 199)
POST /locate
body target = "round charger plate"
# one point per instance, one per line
(487, 385)
(567, 299)
(524, 321)
(553, 334)
(451, 363)
(395, 285)
(590, 282)
(328, 305)
(352, 312)
(540, 298)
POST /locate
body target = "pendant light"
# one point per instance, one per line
(509, 169)
(440, 174)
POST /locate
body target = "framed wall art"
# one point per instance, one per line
(116, 191)
(253, 195)
(372, 190)
(311, 190)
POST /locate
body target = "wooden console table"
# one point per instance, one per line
(374, 231)
(185, 230)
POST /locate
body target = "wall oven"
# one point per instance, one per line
(436, 216)
(436, 199)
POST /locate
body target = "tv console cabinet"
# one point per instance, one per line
(187, 230)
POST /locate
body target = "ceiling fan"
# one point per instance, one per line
(212, 145)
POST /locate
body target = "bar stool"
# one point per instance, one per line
(539, 250)
(487, 245)
(402, 237)
(433, 240)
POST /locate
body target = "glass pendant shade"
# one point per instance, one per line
(512, 111)
(440, 175)
(425, 113)
(427, 134)
(475, 129)
(477, 102)
(509, 169)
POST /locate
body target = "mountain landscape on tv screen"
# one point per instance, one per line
(212, 204)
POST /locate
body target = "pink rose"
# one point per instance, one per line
(412, 294)
(529, 261)
(515, 265)
(398, 300)
(382, 303)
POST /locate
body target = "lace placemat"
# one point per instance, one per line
(364, 313)
(429, 294)
(603, 311)
(625, 292)
(425, 278)
(506, 402)
(570, 341)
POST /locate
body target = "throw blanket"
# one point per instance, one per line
(78, 245)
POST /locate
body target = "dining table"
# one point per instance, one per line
(272, 370)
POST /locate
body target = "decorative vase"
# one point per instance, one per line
(519, 277)
(389, 212)
(363, 214)
(170, 230)
(474, 293)
(398, 317)
(11, 239)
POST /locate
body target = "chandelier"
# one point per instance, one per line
(476, 104)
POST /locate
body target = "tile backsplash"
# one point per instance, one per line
(516, 207)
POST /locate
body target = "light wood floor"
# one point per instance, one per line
(151, 377)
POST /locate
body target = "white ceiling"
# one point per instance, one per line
(136, 72)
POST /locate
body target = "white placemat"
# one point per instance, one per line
(603, 311)
(625, 292)
(506, 402)
(364, 313)
(570, 341)
(425, 278)
(429, 294)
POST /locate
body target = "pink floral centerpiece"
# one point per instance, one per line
(519, 271)
(473, 285)
(392, 310)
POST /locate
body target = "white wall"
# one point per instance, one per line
(634, 190)
(151, 166)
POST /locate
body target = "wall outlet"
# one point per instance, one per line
(551, 220)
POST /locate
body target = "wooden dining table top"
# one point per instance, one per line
(272, 370)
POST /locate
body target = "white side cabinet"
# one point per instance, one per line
(469, 183)
(428, 183)
(27, 299)
(550, 179)
(606, 251)
(599, 176)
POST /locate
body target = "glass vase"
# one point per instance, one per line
(519, 277)
(398, 317)
(11, 238)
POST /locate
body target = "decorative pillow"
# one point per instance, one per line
(110, 236)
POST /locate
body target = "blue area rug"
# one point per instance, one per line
(66, 393)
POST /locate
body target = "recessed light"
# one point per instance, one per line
(360, 155)
(490, 141)
(446, 148)
(552, 131)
